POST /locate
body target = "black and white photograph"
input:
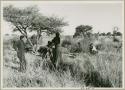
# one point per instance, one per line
(62, 44)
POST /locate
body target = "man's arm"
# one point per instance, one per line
(17, 45)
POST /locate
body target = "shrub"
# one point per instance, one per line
(85, 44)
(100, 47)
(115, 39)
(65, 43)
(75, 48)
(101, 70)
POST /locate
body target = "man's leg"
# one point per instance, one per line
(20, 59)
(54, 57)
(21, 67)
(24, 64)
(51, 58)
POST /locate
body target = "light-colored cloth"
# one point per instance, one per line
(58, 55)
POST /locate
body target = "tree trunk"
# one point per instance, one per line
(25, 34)
(29, 41)
(38, 37)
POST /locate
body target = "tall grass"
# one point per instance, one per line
(100, 70)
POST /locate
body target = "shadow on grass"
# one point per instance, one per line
(90, 78)
(93, 78)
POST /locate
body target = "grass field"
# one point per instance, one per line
(100, 70)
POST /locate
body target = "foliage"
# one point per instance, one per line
(75, 48)
(29, 19)
(117, 33)
(21, 19)
(46, 24)
(109, 34)
(55, 23)
(101, 70)
(67, 41)
(103, 34)
(83, 30)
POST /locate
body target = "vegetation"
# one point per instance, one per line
(83, 30)
(79, 68)
(29, 19)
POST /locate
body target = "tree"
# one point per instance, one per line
(119, 34)
(103, 34)
(29, 19)
(49, 25)
(109, 34)
(83, 30)
(38, 25)
(46, 24)
(21, 19)
(54, 24)
(114, 32)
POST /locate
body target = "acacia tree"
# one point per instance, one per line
(84, 30)
(38, 25)
(55, 24)
(46, 24)
(108, 34)
(21, 19)
(49, 25)
(29, 19)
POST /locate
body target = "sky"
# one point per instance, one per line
(103, 16)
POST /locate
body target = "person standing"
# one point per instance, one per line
(57, 54)
(21, 53)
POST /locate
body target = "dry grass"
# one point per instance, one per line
(101, 70)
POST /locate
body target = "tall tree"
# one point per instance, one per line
(29, 19)
(21, 19)
(46, 24)
(55, 24)
(39, 25)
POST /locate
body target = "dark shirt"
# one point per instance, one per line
(21, 46)
(56, 40)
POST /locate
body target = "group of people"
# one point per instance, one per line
(55, 56)
(52, 48)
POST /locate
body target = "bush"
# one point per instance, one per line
(85, 44)
(100, 47)
(115, 39)
(75, 48)
(101, 70)
(65, 43)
